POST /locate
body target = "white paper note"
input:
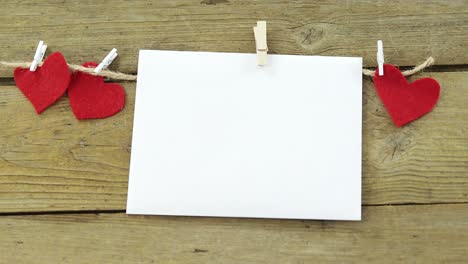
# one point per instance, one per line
(216, 135)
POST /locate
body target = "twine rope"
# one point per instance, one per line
(429, 62)
(104, 73)
(131, 77)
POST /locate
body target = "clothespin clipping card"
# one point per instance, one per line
(380, 57)
(106, 61)
(260, 33)
(38, 56)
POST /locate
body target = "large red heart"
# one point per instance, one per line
(45, 85)
(405, 101)
(91, 97)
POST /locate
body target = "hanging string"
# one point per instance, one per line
(130, 77)
(104, 73)
(429, 62)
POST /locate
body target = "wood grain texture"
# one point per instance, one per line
(388, 234)
(53, 162)
(87, 30)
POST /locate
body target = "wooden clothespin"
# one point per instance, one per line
(260, 33)
(380, 57)
(106, 61)
(38, 56)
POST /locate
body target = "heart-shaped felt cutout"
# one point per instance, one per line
(45, 85)
(91, 97)
(405, 101)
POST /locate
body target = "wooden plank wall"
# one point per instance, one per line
(63, 182)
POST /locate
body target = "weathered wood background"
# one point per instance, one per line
(63, 182)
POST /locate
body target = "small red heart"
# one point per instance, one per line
(45, 85)
(91, 97)
(405, 101)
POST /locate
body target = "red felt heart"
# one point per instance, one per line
(45, 85)
(405, 101)
(91, 97)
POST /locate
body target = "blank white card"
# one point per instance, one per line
(216, 135)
